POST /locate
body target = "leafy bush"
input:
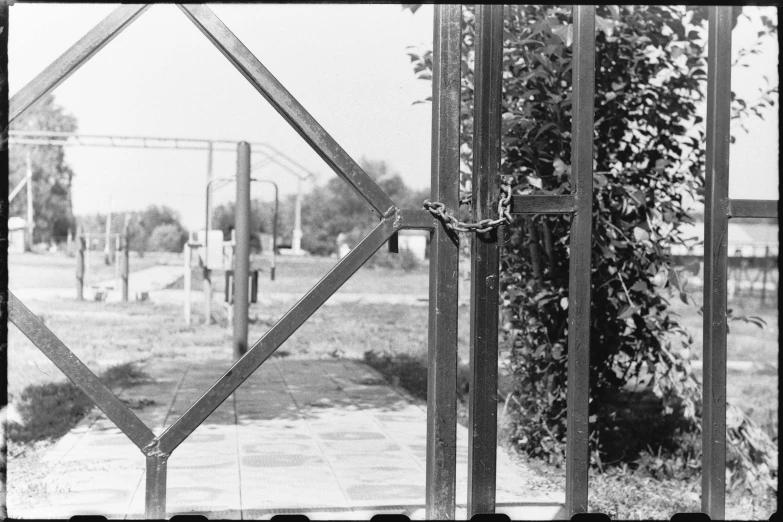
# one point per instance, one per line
(168, 238)
(648, 160)
(50, 410)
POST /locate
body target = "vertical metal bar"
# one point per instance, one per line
(482, 423)
(242, 250)
(107, 246)
(764, 276)
(5, 174)
(716, 202)
(155, 493)
(87, 253)
(30, 207)
(126, 263)
(296, 241)
(583, 70)
(444, 282)
(117, 260)
(394, 243)
(80, 264)
(208, 223)
(187, 274)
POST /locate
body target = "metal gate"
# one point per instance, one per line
(442, 351)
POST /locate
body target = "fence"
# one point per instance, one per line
(442, 358)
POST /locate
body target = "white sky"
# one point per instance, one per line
(346, 64)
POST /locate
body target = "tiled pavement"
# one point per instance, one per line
(325, 438)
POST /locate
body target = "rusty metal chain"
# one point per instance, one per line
(438, 209)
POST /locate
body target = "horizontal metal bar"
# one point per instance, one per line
(753, 208)
(413, 219)
(76, 371)
(288, 107)
(149, 142)
(543, 204)
(275, 337)
(76, 56)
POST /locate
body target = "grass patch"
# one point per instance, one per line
(49, 411)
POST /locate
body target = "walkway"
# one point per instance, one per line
(325, 438)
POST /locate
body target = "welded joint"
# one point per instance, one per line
(392, 211)
(726, 205)
(153, 450)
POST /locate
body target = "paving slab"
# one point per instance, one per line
(325, 438)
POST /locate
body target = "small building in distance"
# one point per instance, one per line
(17, 235)
(746, 240)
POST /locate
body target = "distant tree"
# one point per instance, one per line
(167, 238)
(52, 176)
(261, 219)
(337, 209)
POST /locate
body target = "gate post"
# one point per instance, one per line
(444, 270)
(485, 260)
(580, 247)
(125, 262)
(80, 264)
(186, 254)
(208, 224)
(242, 250)
(716, 200)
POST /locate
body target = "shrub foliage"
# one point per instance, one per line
(648, 173)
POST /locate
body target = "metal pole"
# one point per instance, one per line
(87, 253)
(155, 491)
(579, 289)
(716, 191)
(274, 235)
(107, 248)
(208, 223)
(30, 210)
(482, 422)
(242, 250)
(117, 251)
(296, 242)
(764, 276)
(126, 263)
(441, 467)
(186, 256)
(80, 264)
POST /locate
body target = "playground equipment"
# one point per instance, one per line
(27, 181)
(207, 267)
(441, 445)
(269, 153)
(85, 242)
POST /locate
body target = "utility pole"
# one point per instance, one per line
(30, 214)
(207, 271)
(242, 251)
(296, 243)
(107, 248)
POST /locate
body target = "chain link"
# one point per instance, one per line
(438, 209)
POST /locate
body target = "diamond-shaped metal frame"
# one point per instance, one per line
(157, 449)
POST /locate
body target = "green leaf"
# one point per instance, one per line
(565, 32)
